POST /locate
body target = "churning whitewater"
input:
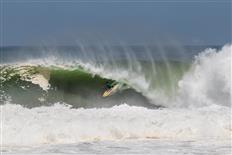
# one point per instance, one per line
(54, 101)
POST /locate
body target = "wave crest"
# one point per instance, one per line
(209, 79)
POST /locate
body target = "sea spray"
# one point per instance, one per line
(209, 79)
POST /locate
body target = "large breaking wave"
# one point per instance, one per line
(80, 84)
(194, 98)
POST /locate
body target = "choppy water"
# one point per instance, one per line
(164, 147)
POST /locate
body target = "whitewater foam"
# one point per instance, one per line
(208, 81)
(60, 124)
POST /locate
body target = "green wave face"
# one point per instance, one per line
(75, 87)
(34, 86)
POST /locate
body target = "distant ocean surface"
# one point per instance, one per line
(176, 100)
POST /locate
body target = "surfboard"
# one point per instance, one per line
(110, 91)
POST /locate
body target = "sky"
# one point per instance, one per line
(133, 22)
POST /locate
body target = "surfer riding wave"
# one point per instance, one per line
(113, 87)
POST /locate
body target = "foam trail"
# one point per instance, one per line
(61, 125)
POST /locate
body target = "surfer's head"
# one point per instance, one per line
(108, 84)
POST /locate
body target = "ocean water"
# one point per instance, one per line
(176, 100)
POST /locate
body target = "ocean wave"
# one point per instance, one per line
(78, 82)
(162, 83)
(71, 108)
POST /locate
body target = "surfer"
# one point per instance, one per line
(113, 87)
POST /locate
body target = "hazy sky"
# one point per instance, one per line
(65, 23)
